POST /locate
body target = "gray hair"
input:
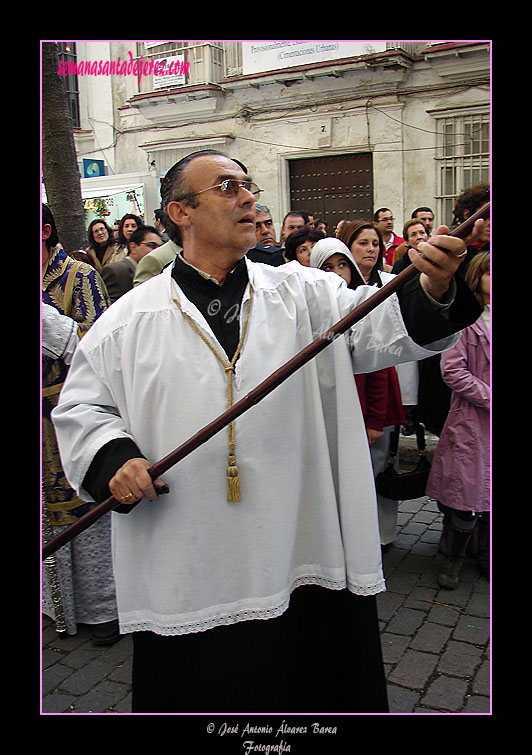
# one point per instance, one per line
(263, 208)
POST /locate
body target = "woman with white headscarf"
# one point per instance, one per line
(379, 392)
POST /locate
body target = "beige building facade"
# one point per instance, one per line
(337, 128)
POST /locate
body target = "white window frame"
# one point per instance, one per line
(462, 154)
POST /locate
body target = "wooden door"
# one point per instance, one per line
(333, 188)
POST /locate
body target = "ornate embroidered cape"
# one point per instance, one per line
(74, 289)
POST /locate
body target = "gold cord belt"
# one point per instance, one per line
(233, 477)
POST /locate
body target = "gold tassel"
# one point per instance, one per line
(233, 476)
(233, 483)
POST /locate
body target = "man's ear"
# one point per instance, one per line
(46, 231)
(178, 212)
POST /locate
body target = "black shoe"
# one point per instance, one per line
(106, 634)
(409, 428)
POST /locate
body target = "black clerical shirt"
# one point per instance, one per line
(219, 305)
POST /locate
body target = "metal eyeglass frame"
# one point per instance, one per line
(224, 186)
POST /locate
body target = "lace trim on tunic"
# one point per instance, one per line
(249, 614)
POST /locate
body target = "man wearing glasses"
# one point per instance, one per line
(118, 276)
(251, 586)
(384, 220)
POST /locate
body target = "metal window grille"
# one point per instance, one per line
(67, 53)
(462, 158)
(204, 60)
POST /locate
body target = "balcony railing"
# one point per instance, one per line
(204, 62)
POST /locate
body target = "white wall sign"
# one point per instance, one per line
(172, 66)
(271, 55)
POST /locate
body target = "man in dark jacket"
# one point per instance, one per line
(267, 249)
(118, 276)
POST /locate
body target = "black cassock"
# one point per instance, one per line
(323, 654)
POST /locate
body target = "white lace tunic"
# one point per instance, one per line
(191, 560)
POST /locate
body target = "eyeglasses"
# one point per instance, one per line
(230, 188)
(151, 244)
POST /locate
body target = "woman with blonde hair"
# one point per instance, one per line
(414, 231)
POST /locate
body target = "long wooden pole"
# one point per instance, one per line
(262, 390)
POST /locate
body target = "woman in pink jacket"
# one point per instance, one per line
(460, 474)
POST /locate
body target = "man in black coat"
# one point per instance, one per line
(118, 276)
(267, 249)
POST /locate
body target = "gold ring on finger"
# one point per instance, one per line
(127, 497)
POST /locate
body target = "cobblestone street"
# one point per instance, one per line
(436, 642)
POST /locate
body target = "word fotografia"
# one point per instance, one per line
(284, 728)
(125, 68)
(277, 749)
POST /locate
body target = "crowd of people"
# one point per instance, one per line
(188, 573)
